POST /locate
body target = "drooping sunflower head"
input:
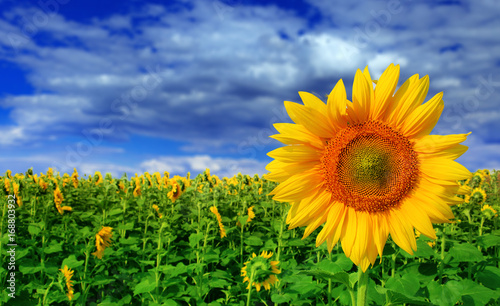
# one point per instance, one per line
(489, 211)
(478, 196)
(103, 240)
(367, 168)
(260, 271)
(68, 274)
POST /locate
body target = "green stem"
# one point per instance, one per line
(330, 283)
(362, 287)
(441, 266)
(250, 287)
(481, 231)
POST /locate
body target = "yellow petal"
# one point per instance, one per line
(296, 134)
(298, 186)
(362, 95)
(450, 153)
(311, 208)
(381, 231)
(348, 235)
(384, 91)
(423, 119)
(312, 101)
(444, 169)
(419, 219)
(311, 119)
(336, 105)
(333, 226)
(408, 98)
(293, 154)
(436, 143)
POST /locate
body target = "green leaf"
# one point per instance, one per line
(243, 220)
(465, 252)
(146, 285)
(488, 241)
(218, 283)
(34, 229)
(127, 226)
(129, 241)
(194, 239)
(424, 250)
(28, 269)
(102, 280)
(253, 241)
(71, 262)
(444, 295)
(397, 298)
(54, 247)
(343, 262)
(115, 211)
(490, 277)
(408, 284)
(475, 294)
(285, 298)
(339, 277)
(296, 242)
(305, 286)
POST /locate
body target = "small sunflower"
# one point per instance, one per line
(74, 178)
(176, 191)
(478, 196)
(155, 207)
(58, 199)
(260, 271)
(103, 240)
(251, 214)
(367, 168)
(214, 210)
(68, 274)
(489, 211)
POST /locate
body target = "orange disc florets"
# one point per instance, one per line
(370, 167)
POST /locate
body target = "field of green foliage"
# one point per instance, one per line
(160, 240)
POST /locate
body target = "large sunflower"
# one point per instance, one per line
(367, 168)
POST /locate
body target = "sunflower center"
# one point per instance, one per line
(370, 167)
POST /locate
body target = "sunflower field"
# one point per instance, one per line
(159, 240)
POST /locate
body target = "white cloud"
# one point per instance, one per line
(222, 167)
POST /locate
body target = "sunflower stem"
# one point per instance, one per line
(330, 283)
(441, 266)
(249, 294)
(362, 287)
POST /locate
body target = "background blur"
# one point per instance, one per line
(182, 86)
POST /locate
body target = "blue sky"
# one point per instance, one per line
(147, 86)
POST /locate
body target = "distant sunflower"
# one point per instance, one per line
(478, 195)
(264, 271)
(68, 274)
(367, 168)
(214, 210)
(58, 199)
(489, 210)
(103, 240)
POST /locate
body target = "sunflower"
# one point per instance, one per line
(367, 168)
(176, 191)
(214, 210)
(251, 214)
(155, 207)
(264, 271)
(58, 199)
(74, 178)
(103, 240)
(68, 274)
(478, 195)
(489, 211)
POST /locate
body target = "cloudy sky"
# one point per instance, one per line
(182, 86)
